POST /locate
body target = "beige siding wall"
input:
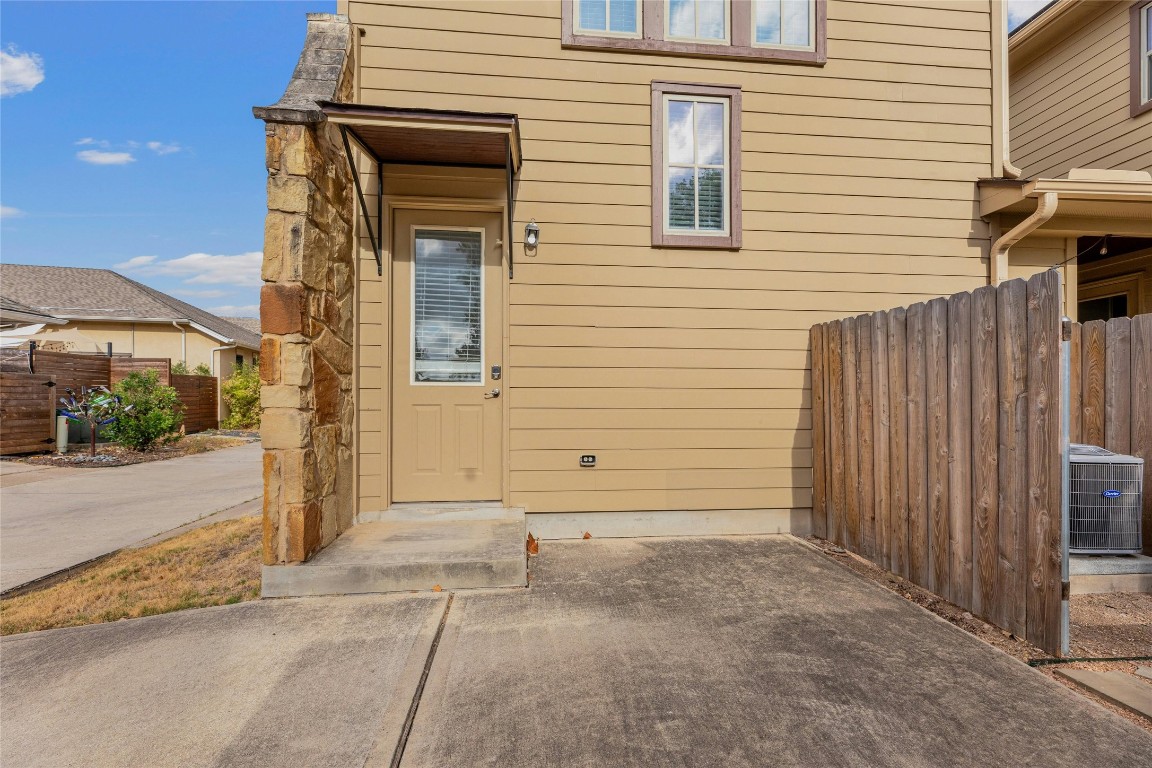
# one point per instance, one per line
(1070, 105)
(1037, 253)
(686, 372)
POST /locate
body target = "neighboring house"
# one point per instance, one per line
(109, 308)
(1081, 134)
(605, 230)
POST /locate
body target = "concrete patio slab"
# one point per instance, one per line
(737, 651)
(61, 521)
(1120, 688)
(301, 683)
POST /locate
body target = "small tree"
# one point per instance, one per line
(96, 407)
(155, 411)
(241, 392)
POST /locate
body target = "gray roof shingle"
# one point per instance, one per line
(81, 292)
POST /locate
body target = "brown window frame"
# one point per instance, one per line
(1136, 73)
(734, 238)
(651, 40)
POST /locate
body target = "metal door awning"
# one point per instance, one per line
(426, 137)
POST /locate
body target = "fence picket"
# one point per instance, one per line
(985, 478)
(819, 449)
(1118, 386)
(960, 449)
(1093, 340)
(918, 514)
(1142, 412)
(936, 367)
(898, 438)
(851, 439)
(881, 424)
(865, 444)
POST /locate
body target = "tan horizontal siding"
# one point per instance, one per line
(687, 372)
(1070, 105)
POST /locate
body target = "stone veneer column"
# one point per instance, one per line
(306, 306)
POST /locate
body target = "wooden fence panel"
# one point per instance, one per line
(27, 413)
(122, 366)
(1012, 455)
(1115, 359)
(985, 440)
(1044, 458)
(943, 451)
(917, 445)
(73, 371)
(198, 394)
(1075, 385)
(898, 438)
(819, 446)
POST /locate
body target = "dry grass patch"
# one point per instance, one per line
(218, 564)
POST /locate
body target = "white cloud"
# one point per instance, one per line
(233, 310)
(161, 148)
(1020, 11)
(99, 157)
(8, 212)
(210, 294)
(19, 72)
(242, 269)
(88, 141)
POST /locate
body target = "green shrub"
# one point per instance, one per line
(179, 368)
(155, 415)
(241, 393)
(202, 369)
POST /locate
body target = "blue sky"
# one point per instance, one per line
(138, 146)
(128, 140)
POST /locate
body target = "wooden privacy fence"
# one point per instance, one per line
(198, 394)
(28, 422)
(27, 408)
(937, 448)
(1111, 393)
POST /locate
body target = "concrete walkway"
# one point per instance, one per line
(51, 519)
(745, 651)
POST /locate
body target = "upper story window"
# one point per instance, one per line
(608, 17)
(1141, 74)
(783, 23)
(697, 20)
(695, 165)
(789, 31)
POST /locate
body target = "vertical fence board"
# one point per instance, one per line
(1075, 397)
(985, 479)
(864, 441)
(1092, 340)
(936, 368)
(881, 425)
(1142, 412)
(960, 449)
(1118, 386)
(835, 459)
(851, 536)
(898, 439)
(917, 445)
(1012, 455)
(819, 449)
(1044, 556)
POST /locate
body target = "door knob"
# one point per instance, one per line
(492, 394)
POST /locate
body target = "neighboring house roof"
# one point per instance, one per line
(247, 323)
(1046, 28)
(80, 293)
(12, 311)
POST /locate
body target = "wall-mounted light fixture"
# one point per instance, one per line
(531, 234)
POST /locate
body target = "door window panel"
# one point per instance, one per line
(447, 307)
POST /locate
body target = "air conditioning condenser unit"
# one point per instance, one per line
(1105, 501)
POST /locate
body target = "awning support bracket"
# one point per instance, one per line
(375, 239)
(508, 171)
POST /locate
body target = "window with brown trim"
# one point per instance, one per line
(788, 31)
(1141, 74)
(695, 166)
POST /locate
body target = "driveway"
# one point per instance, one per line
(742, 651)
(51, 519)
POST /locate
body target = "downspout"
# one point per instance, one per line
(1045, 209)
(183, 341)
(212, 355)
(1001, 84)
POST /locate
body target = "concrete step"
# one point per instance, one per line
(462, 548)
(1120, 688)
(1094, 574)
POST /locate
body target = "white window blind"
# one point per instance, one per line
(696, 159)
(447, 307)
(619, 17)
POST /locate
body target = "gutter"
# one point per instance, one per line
(212, 355)
(183, 341)
(1000, 43)
(998, 266)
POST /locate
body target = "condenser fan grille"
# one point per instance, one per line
(1105, 506)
